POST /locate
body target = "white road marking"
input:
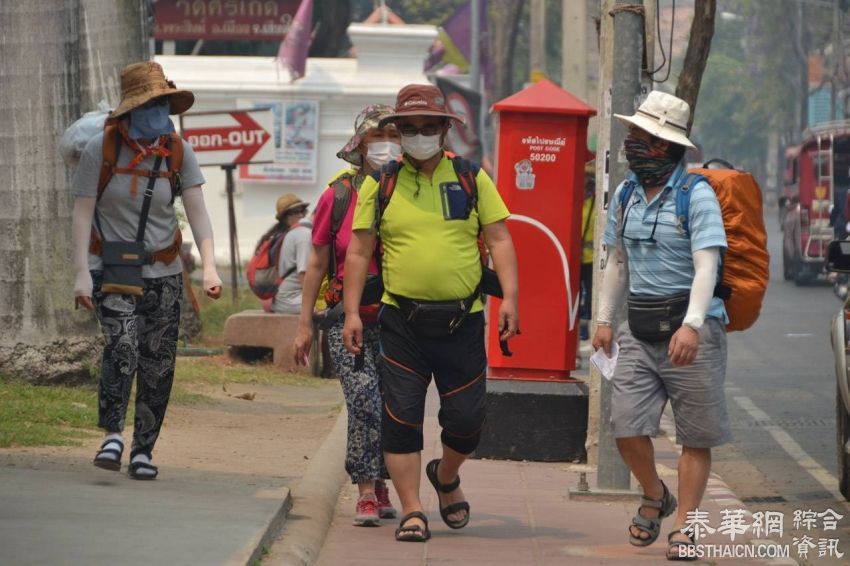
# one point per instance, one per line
(798, 334)
(787, 443)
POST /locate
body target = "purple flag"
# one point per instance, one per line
(293, 49)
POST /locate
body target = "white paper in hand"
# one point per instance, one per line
(603, 363)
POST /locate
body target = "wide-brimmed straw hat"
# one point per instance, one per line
(288, 203)
(369, 118)
(420, 100)
(664, 116)
(142, 82)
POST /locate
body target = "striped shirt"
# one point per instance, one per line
(665, 266)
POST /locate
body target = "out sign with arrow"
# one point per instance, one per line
(235, 137)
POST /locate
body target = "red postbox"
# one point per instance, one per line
(541, 153)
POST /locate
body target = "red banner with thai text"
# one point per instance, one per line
(259, 20)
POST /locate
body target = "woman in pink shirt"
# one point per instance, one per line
(366, 151)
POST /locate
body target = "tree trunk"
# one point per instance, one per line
(112, 35)
(41, 338)
(699, 46)
(504, 25)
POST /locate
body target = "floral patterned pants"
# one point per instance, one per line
(364, 460)
(141, 339)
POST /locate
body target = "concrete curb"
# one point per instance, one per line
(260, 543)
(314, 501)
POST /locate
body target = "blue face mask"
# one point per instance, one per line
(151, 122)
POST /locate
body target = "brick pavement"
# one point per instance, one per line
(521, 514)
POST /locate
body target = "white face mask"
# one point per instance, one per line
(380, 153)
(421, 147)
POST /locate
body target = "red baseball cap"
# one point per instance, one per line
(420, 100)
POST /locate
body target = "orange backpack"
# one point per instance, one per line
(746, 263)
(744, 269)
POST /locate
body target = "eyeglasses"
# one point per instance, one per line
(409, 131)
(651, 239)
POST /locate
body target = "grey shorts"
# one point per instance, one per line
(645, 378)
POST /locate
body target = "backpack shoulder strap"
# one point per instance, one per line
(111, 149)
(174, 163)
(466, 172)
(342, 187)
(386, 187)
(683, 199)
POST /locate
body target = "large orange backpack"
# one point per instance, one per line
(745, 266)
(746, 263)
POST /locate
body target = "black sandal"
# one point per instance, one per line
(134, 467)
(111, 464)
(678, 554)
(431, 472)
(413, 533)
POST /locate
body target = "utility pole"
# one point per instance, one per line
(574, 47)
(537, 41)
(626, 64)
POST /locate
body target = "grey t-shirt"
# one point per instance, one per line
(119, 210)
(294, 252)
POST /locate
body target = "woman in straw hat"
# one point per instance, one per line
(369, 148)
(132, 167)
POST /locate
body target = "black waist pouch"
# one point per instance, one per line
(122, 267)
(434, 319)
(655, 319)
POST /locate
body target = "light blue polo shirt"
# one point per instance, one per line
(666, 266)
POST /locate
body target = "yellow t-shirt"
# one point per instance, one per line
(588, 214)
(426, 256)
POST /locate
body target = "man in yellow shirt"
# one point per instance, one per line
(431, 320)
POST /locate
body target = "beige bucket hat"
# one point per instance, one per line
(142, 82)
(288, 203)
(664, 116)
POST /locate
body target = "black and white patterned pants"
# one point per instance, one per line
(364, 460)
(141, 339)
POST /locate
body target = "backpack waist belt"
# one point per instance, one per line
(165, 255)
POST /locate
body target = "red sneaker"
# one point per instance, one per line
(385, 506)
(366, 513)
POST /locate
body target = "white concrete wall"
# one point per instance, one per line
(388, 57)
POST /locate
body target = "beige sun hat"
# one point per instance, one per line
(142, 82)
(288, 203)
(664, 116)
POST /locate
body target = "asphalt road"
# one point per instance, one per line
(781, 399)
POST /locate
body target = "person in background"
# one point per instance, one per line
(294, 253)
(368, 149)
(140, 331)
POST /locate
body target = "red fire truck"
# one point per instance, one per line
(813, 211)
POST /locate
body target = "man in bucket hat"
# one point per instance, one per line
(134, 170)
(431, 319)
(673, 345)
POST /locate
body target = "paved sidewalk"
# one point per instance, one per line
(521, 514)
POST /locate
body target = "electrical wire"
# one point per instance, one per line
(661, 44)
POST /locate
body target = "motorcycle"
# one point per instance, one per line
(838, 262)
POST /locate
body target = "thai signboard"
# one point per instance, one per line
(257, 20)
